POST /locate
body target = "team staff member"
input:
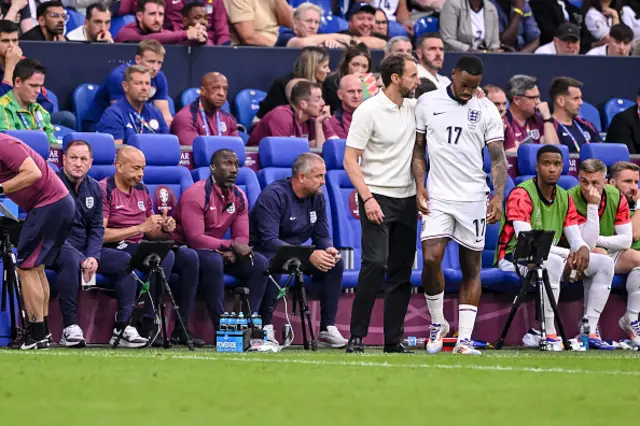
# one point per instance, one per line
(80, 255)
(128, 217)
(204, 116)
(133, 114)
(290, 212)
(149, 54)
(382, 135)
(350, 93)
(206, 211)
(27, 180)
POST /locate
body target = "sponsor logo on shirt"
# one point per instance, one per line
(120, 206)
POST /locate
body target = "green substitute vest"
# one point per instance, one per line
(636, 244)
(608, 216)
(544, 216)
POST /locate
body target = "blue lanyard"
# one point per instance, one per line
(26, 123)
(142, 121)
(205, 124)
(573, 139)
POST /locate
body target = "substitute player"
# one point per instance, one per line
(457, 127)
(27, 180)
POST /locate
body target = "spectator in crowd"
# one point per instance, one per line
(618, 42)
(256, 22)
(470, 26)
(519, 31)
(599, 17)
(17, 11)
(150, 54)
(194, 15)
(51, 20)
(430, 53)
(565, 42)
(133, 114)
(425, 86)
(528, 119)
(573, 130)
(496, 95)
(292, 211)
(205, 116)
(312, 65)
(421, 8)
(551, 14)
(355, 60)
(306, 22)
(149, 26)
(350, 93)
(96, 25)
(80, 255)
(212, 17)
(206, 211)
(19, 109)
(625, 127)
(174, 17)
(398, 44)
(381, 23)
(128, 218)
(631, 17)
(289, 88)
(361, 17)
(305, 117)
(394, 10)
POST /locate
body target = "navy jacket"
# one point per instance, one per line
(280, 218)
(87, 230)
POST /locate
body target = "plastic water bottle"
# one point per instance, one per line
(585, 330)
(233, 322)
(243, 323)
(224, 321)
(414, 342)
(256, 320)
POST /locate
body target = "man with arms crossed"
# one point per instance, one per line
(457, 128)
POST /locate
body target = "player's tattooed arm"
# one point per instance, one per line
(419, 160)
(498, 168)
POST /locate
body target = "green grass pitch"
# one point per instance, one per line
(178, 387)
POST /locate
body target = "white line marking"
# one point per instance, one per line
(271, 359)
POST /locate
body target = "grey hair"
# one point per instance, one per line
(397, 39)
(304, 163)
(303, 7)
(519, 84)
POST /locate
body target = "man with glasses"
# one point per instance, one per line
(528, 118)
(51, 20)
(306, 22)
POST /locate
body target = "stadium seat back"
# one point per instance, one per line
(189, 96)
(53, 98)
(396, 29)
(36, 139)
(592, 115)
(75, 20)
(343, 199)
(172, 107)
(490, 244)
(567, 182)
(424, 25)
(332, 24)
(609, 153)
(277, 155)
(333, 153)
(82, 100)
(510, 184)
(527, 158)
(247, 105)
(118, 22)
(614, 106)
(205, 146)
(60, 132)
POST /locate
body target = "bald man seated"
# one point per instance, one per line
(128, 219)
(204, 116)
(351, 94)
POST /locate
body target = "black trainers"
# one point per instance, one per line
(355, 346)
(29, 343)
(397, 348)
(179, 337)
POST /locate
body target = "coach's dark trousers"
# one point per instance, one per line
(387, 250)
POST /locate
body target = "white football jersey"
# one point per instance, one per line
(456, 135)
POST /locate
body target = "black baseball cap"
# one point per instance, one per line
(567, 31)
(360, 7)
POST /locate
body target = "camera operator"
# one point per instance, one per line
(289, 212)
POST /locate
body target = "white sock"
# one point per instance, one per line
(633, 295)
(598, 277)
(549, 316)
(435, 304)
(466, 321)
(554, 266)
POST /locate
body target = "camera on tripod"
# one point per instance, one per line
(10, 228)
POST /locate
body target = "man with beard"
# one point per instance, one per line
(383, 132)
(430, 52)
(51, 20)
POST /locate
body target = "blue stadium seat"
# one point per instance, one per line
(396, 29)
(277, 153)
(104, 152)
(172, 107)
(492, 278)
(163, 157)
(424, 25)
(120, 21)
(332, 24)
(244, 136)
(76, 20)
(203, 149)
(609, 153)
(60, 132)
(567, 182)
(36, 139)
(82, 99)
(527, 161)
(247, 104)
(193, 93)
(614, 106)
(333, 153)
(591, 114)
(53, 99)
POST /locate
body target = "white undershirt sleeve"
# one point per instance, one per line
(621, 241)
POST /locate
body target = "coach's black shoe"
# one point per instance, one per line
(355, 346)
(30, 344)
(179, 337)
(396, 348)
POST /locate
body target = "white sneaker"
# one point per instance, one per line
(437, 332)
(72, 337)
(332, 337)
(465, 347)
(554, 344)
(130, 338)
(270, 334)
(532, 338)
(632, 329)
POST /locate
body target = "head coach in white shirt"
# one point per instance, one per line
(381, 136)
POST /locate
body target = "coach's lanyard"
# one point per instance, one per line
(206, 124)
(137, 119)
(26, 122)
(573, 139)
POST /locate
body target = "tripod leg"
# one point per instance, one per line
(14, 292)
(514, 308)
(176, 309)
(541, 289)
(556, 312)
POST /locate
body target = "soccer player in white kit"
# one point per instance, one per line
(456, 127)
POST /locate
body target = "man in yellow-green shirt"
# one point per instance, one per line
(19, 109)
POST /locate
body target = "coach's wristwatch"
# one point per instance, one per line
(1, 190)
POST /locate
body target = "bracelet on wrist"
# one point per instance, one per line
(365, 201)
